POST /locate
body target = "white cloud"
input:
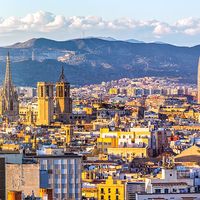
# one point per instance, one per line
(42, 22)
(162, 29)
(58, 22)
(192, 31)
(187, 22)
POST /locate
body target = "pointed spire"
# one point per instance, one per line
(8, 86)
(62, 75)
(8, 77)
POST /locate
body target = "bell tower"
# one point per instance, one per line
(63, 100)
(45, 103)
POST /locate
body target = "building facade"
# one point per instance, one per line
(62, 173)
(111, 190)
(173, 184)
(19, 178)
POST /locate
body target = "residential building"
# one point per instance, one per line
(111, 190)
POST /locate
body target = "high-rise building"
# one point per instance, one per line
(198, 83)
(45, 103)
(63, 100)
(9, 104)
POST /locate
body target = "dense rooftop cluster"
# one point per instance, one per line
(124, 139)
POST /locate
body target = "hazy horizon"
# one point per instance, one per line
(107, 38)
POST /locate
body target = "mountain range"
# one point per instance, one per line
(93, 60)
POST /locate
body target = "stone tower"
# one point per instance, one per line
(63, 100)
(9, 104)
(45, 103)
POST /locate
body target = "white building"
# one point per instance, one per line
(171, 185)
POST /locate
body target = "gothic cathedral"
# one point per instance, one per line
(9, 104)
(52, 109)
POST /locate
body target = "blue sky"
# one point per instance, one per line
(172, 21)
(164, 10)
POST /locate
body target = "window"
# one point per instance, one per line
(170, 174)
(166, 191)
(117, 190)
(117, 197)
(157, 191)
(102, 197)
(109, 190)
(174, 190)
(182, 190)
(50, 171)
(102, 190)
(47, 91)
(66, 92)
(41, 91)
(11, 105)
(109, 198)
(60, 89)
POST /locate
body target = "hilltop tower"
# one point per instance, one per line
(9, 104)
(198, 83)
(63, 100)
(33, 55)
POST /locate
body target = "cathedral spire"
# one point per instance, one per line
(62, 75)
(8, 77)
(9, 97)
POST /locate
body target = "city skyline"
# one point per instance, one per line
(145, 21)
(95, 104)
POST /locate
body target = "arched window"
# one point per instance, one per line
(11, 105)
